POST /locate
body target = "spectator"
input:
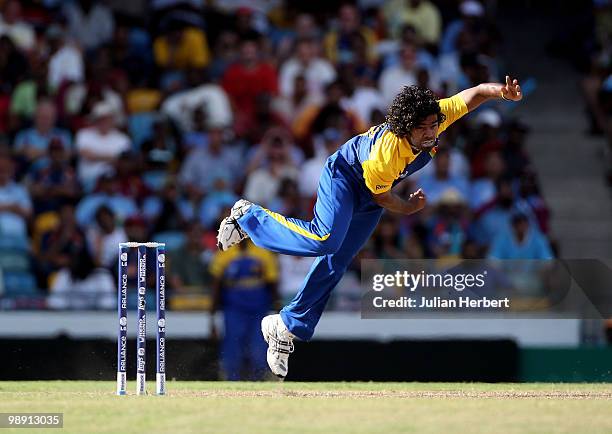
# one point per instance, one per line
(387, 239)
(494, 217)
(262, 183)
(188, 265)
(107, 193)
(82, 286)
(483, 190)
(244, 287)
(28, 93)
(33, 143)
(485, 140)
(294, 107)
(317, 71)
(226, 52)
(448, 226)
(198, 136)
(15, 206)
(90, 22)
(100, 145)
(209, 98)
(472, 14)
(423, 15)
(342, 45)
(304, 27)
(203, 165)
(364, 99)
(288, 200)
(219, 198)
(12, 25)
(513, 151)
(458, 165)
(424, 58)
(292, 271)
(136, 229)
(52, 181)
(159, 155)
(520, 241)
(529, 192)
(65, 59)
(168, 211)
(13, 65)
(245, 80)
(441, 180)
(129, 178)
(104, 236)
(332, 112)
(394, 78)
(180, 47)
(57, 244)
(310, 171)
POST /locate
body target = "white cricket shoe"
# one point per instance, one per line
(280, 344)
(230, 233)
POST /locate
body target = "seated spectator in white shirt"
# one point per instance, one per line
(82, 286)
(263, 183)
(365, 98)
(306, 62)
(99, 146)
(65, 59)
(394, 78)
(21, 33)
(209, 97)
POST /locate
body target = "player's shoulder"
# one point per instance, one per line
(452, 102)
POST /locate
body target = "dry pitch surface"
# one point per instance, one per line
(220, 407)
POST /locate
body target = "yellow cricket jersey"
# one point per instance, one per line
(263, 260)
(383, 159)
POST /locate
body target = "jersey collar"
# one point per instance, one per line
(405, 149)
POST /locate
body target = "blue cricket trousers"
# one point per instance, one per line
(344, 218)
(243, 343)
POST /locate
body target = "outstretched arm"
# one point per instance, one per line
(474, 96)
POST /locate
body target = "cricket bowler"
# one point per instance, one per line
(354, 189)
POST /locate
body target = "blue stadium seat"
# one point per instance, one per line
(11, 242)
(19, 284)
(140, 127)
(14, 260)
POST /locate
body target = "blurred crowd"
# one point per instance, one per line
(591, 53)
(145, 121)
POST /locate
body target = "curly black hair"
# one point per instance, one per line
(410, 108)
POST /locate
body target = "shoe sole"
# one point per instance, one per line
(264, 332)
(266, 335)
(219, 245)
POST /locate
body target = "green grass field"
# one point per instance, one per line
(221, 407)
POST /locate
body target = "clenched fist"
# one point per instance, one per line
(418, 200)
